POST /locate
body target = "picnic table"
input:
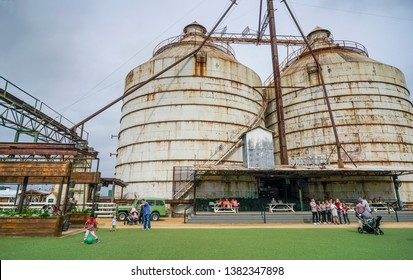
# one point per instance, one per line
(380, 206)
(287, 207)
(220, 209)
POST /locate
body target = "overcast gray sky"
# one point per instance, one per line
(81, 50)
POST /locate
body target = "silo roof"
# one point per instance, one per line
(193, 35)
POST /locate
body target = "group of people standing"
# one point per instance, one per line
(329, 212)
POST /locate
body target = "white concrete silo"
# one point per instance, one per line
(188, 115)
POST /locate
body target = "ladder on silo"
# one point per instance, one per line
(253, 124)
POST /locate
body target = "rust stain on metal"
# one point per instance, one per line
(192, 113)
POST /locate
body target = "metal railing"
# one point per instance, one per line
(102, 209)
(263, 213)
(37, 115)
(295, 55)
(176, 41)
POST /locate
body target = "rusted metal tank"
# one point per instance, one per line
(191, 114)
(369, 100)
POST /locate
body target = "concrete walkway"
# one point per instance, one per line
(236, 221)
(179, 223)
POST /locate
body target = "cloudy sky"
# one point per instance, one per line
(74, 55)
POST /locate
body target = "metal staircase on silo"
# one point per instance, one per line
(223, 151)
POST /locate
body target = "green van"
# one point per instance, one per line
(158, 208)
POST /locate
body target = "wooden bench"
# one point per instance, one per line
(380, 207)
(285, 207)
(218, 209)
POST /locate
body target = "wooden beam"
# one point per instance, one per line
(35, 169)
(85, 177)
(76, 177)
(16, 148)
(32, 180)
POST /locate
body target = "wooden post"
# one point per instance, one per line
(23, 194)
(59, 193)
(66, 196)
(113, 192)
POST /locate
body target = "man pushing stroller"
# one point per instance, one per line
(363, 208)
(366, 221)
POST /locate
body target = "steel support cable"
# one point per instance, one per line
(326, 97)
(277, 86)
(92, 91)
(138, 86)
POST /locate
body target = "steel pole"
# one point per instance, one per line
(277, 85)
(326, 98)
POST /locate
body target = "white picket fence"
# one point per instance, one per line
(103, 209)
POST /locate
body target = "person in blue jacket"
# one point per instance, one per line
(146, 215)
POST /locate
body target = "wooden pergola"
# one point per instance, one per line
(44, 163)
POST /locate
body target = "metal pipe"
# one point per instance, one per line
(259, 20)
(320, 74)
(277, 85)
(195, 187)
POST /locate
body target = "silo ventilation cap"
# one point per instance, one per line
(318, 30)
(320, 35)
(195, 29)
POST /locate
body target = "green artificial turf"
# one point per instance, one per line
(217, 244)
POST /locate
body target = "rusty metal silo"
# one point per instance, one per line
(369, 100)
(186, 116)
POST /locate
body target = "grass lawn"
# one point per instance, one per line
(215, 244)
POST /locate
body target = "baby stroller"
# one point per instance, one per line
(369, 225)
(132, 218)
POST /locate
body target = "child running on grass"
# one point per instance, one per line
(113, 223)
(90, 227)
